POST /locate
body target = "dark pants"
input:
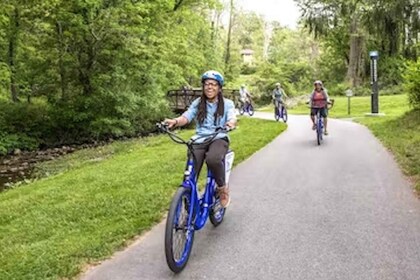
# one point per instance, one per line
(214, 153)
(324, 112)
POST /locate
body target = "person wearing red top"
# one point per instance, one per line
(318, 101)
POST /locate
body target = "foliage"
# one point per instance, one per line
(412, 83)
(102, 67)
(350, 29)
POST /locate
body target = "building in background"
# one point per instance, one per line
(247, 56)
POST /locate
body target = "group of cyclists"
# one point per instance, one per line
(318, 100)
(212, 110)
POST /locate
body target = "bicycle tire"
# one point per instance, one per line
(175, 263)
(251, 110)
(318, 132)
(285, 116)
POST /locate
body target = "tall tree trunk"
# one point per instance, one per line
(61, 53)
(13, 38)
(87, 56)
(227, 57)
(355, 67)
(215, 25)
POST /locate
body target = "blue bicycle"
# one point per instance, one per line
(280, 112)
(319, 122)
(188, 211)
(247, 108)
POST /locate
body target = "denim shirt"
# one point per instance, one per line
(208, 126)
(278, 94)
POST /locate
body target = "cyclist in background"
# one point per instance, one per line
(278, 94)
(318, 101)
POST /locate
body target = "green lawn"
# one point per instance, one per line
(400, 134)
(98, 201)
(391, 105)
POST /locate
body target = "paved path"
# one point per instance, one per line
(341, 210)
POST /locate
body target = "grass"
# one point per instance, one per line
(54, 227)
(401, 135)
(391, 105)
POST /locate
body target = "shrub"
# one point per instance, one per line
(412, 83)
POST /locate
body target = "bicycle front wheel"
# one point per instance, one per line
(251, 110)
(285, 117)
(179, 235)
(319, 132)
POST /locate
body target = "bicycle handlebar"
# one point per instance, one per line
(210, 137)
(329, 105)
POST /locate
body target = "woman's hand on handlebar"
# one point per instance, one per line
(230, 125)
(179, 121)
(171, 122)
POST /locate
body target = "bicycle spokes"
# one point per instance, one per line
(180, 230)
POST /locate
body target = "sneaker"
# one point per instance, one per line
(314, 127)
(223, 193)
(325, 132)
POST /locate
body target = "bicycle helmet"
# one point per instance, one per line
(243, 86)
(214, 75)
(318, 82)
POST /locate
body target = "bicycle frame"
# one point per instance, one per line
(279, 109)
(246, 106)
(199, 205)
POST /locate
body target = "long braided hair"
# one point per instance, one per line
(202, 107)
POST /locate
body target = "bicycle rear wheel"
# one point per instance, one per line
(179, 235)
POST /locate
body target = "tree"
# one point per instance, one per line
(390, 26)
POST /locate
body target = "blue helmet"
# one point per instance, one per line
(214, 75)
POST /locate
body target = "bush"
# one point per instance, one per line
(337, 89)
(412, 83)
(392, 90)
(23, 118)
(363, 91)
(74, 121)
(390, 71)
(10, 142)
(247, 69)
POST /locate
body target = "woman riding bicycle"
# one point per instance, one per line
(210, 112)
(319, 100)
(244, 96)
(278, 94)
